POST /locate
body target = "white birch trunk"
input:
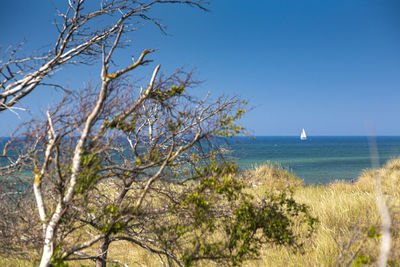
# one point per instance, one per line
(48, 247)
(37, 184)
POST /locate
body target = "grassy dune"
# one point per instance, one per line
(348, 228)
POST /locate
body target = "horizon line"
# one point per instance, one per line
(291, 136)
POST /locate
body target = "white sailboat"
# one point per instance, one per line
(303, 135)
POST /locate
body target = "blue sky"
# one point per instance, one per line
(329, 66)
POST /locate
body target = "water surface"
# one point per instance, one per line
(318, 159)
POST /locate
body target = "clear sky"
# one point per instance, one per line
(330, 66)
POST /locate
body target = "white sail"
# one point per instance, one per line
(303, 135)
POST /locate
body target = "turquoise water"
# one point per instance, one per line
(316, 160)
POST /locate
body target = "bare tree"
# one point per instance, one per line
(20, 236)
(148, 173)
(160, 125)
(84, 36)
(82, 32)
(116, 162)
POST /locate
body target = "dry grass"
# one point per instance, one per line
(346, 212)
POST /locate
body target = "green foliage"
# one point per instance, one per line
(373, 232)
(123, 125)
(169, 93)
(91, 166)
(110, 220)
(174, 126)
(219, 177)
(361, 260)
(138, 161)
(228, 126)
(152, 155)
(393, 263)
(224, 224)
(56, 259)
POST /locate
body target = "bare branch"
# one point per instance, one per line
(76, 43)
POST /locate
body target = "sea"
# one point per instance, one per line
(317, 160)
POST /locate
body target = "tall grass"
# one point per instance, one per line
(348, 228)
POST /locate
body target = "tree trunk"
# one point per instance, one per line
(102, 252)
(50, 237)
